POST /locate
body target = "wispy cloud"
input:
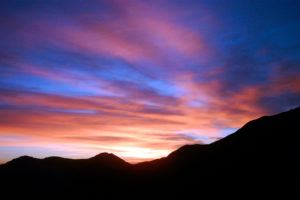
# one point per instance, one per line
(140, 79)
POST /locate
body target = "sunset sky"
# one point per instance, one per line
(141, 78)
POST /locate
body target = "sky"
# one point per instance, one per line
(141, 78)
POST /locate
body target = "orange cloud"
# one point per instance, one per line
(120, 116)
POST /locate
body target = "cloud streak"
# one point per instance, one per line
(140, 79)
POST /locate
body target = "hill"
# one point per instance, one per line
(262, 157)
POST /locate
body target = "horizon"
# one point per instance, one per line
(141, 78)
(132, 162)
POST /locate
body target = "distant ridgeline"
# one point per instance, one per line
(261, 158)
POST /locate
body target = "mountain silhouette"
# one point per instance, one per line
(262, 157)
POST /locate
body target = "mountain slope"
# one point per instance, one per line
(264, 140)
(261, 156)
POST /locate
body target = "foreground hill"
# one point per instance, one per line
(262, 156)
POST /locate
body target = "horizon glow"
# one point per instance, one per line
(141, 78)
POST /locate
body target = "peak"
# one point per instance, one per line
(22, 159)
(25, 157)
(108, 158)
(105, 155)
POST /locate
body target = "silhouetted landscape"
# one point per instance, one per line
(262, 156)
(149, 99)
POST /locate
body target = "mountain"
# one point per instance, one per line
(262, 157)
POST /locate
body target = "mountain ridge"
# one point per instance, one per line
(107, 155)
(263, 155)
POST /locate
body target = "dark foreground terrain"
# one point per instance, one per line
(261, 158)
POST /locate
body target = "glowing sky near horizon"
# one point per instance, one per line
(141, 78)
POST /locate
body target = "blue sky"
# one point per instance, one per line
(141, 78)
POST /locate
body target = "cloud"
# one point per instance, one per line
(140, 79)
